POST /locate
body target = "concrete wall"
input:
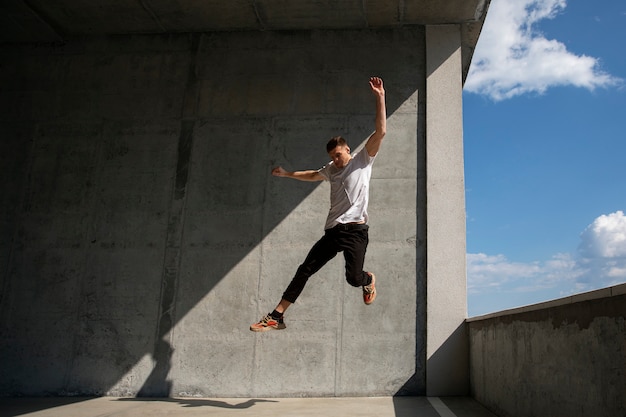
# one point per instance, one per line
(446, 345)
(142, 232)
(562, 358)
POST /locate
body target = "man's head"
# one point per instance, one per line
(339, 151)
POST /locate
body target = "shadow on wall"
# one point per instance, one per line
(442, 369)
(124, 214)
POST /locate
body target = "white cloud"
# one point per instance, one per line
(599, 262)
(497, 274)
(512, 58)
(605, 237)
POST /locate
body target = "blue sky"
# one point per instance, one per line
(545, 152)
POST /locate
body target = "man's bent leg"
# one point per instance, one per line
(354, 245)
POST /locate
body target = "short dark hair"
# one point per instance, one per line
(334, 142)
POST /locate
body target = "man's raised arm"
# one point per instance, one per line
(309, 175)
(373, 143)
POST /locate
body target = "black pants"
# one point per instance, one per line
(352, 240)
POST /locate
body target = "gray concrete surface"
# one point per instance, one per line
(446, 346)
(142, 231)
(564, 358)
(24, 20)
(242, 407)
(46, 21)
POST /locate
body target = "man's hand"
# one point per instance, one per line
(279, 172)
(376, 84)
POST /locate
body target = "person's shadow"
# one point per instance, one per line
(192, 402)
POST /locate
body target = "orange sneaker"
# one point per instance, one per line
(369, 291)
(268, 323)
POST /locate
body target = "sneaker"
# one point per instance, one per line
(268, 323)
(369, 291)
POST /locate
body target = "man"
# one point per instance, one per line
(346, 228)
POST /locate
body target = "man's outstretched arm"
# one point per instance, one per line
(375, 140)
(309, 175)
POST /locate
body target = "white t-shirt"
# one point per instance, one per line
(349, 189)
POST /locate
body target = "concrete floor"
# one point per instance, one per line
(242, 407)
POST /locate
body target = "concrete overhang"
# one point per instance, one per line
(27, 21)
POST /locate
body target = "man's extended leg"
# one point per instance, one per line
(322, 252)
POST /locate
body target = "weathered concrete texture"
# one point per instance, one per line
(142, 231)
(41, 20)
(565, 360)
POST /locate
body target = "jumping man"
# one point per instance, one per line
(346, 228)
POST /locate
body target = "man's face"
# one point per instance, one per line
(340, 156)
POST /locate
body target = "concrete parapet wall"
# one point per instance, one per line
(142, 231)
(561, 358)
